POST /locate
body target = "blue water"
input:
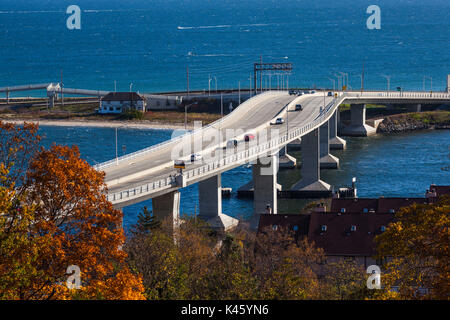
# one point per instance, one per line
(397, 165)
(150, 43)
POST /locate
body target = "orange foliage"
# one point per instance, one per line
(75, 225)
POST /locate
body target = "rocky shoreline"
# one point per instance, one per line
(414, 121)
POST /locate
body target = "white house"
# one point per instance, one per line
(118, 102)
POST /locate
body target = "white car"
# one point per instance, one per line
(196, 157)
(279, 121)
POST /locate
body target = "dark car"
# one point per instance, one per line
(298, 107)
(330, 94)
(249, 137)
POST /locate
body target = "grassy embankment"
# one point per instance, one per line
(87, 111)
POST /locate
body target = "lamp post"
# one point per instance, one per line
(239, 92)
(431, 82)
(334, 83)
(388, 78)
(209, 85)
(131, 85)
(339, 81)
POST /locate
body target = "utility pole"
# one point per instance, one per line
(209, 85)
(362, 79)
(187, 76)
(260, 74)
(117, 154)
(239, 92)
(62, 95)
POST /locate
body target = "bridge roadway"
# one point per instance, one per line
(149, 173)
(123, 176)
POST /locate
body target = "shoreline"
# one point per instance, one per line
(101, 124)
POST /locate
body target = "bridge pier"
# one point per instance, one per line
(210, 198)
(336, 143)
(415, 107)
(167, 206)
(310, 182)
(286, 161)
(327, 161)
(265, 185)
(358, 126)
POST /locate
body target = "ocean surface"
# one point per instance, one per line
(400, 165)
(151, 43)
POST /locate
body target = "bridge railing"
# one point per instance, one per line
(231, 160)
(240, 108)
(252, 153)
(397, 94)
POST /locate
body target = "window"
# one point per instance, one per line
(353, 228)
(383, 228)
(111, 109)
(274, 227)
(342, 210)
(391, 211)
(324, 228)
(365, 210)
(295, 228)
(118, 108)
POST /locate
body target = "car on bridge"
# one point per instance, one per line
(231, 144)
(330, 94)
(292, 92)
(279, 121)
(298, 107)
(196, 157)
(248, 137)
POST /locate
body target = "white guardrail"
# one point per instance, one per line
(232, 160)
(256, 151)
(241, 108)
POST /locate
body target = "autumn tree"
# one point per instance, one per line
(285, 267)
(416, 248)
(55, 214)
(344, 279)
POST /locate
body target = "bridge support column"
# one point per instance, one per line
(265, 185)
(210, 197)
(311, 182)
(285, 160)
(327, 161)
(358, 126)
(167, 206)
(336, 143)
(415, 107)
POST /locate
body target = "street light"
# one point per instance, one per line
(388, 78)
(131, 85)
(209, 85)
(334, 83)
(431, 82)
(339, 81)
(185, 113)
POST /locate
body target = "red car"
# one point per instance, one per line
(249, 137)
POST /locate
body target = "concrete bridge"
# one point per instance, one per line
(150, 173)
